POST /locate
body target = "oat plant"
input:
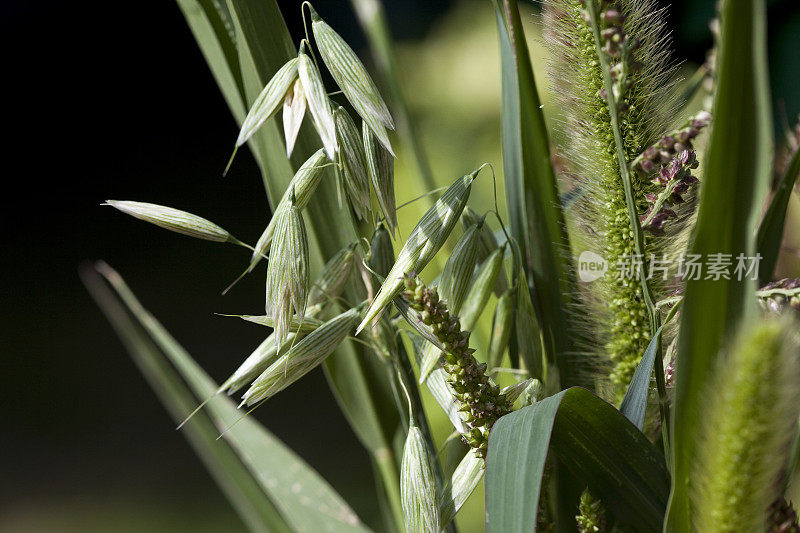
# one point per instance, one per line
(642, 371)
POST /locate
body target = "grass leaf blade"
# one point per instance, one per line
(770, 231)
(594, 441)
(260, 455)
(737, 170)
(537, 222)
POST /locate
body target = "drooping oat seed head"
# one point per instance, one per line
(269, 100)
(318, 102)
(174, 220)
(352, 78)
(302, 186)
(333, 278)
(457, 273)
(287, 272)
(486, 245)
(486, 280)
(502, 325)
(380, 165)
(425, 240)
(381, 251)
(302, 357)
(418, 485)
(255, 364)
(353, 163)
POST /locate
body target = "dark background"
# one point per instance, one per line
(113, 100)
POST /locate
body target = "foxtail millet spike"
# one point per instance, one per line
(481, 399)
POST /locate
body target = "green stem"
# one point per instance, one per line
(663, 404)
(390, 478)
(406, 372)
(627, 184)
(660, 201)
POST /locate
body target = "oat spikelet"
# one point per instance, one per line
(287, 272)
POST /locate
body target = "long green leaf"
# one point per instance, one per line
(594, 441)
(254, 467)
(770, 232)
(736, 179)
(211, 26)
(537, 222)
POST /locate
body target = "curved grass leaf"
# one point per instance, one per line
(274, 489)
(594, 441)
(770, 232)
(737, 169)
(536, 219)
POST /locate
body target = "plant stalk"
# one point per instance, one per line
(630, 201)
(390, 478)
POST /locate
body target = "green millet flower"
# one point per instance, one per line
(591, 515)
(482, 402)
(632, 44)
(779, 296)
(743, 445)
